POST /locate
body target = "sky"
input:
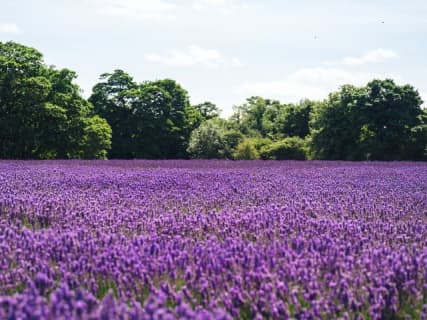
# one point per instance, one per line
(225, 51)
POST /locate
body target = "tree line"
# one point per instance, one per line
(44, 116)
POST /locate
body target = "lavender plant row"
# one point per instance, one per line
(213, 240)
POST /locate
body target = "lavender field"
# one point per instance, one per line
(212, 240)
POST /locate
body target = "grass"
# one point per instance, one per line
(104, 286)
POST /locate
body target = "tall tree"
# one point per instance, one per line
(214, 139)
(149, 120)
(268, 118)
(293, 119)
(114, 98)
(334, 128)
(177, 121)
(206, 142)
(381, 121)
(255, 117)
(42, 114)
(207, 110)
(389, 114)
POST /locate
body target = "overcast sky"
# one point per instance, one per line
(227, 50)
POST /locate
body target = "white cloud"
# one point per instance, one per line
(224, 6)
(236, 62)
(318, 82)
(161, 9)
(193, 55)
(312, 83)
(8, 28)
(376, 55)
(144, 9)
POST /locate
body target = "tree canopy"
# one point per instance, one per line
(42, 113)
(213, 139)
(153, 119)
(44, 116)
(260, 117)
(207, 110)
(380, 121)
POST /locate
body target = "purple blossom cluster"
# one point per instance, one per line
(212, 240)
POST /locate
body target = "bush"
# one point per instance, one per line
(212, 140)
(206, 142)
(291, 148)
(260, 143)
(96, 138)
(246, 150)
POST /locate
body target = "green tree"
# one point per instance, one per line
(417, 148)
(176, 121)
(231, 139)
(114, 98)
(260, 117)
(213, 140)
(293, 119)
(290, 148)
(42, 114)
(390, 115)
(207, 110)
(97, 138)
(334, 127)
(270, 119)
(381, 121)
(246, 150)
(149, 120)
(206, 142)
(254, 117)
